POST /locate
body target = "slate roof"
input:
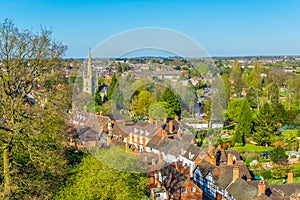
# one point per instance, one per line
(87, 134)
(288, 189)
(174, 147)
(192, 151)
(205, 167)
(119, 129)
(144, 128)
(240, 189)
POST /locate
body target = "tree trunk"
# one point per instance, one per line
(6, 172)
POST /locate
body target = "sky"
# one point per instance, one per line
(223, 28)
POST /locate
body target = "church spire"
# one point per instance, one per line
(89, 63)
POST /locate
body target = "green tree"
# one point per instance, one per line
(170, 98)
(236, 78)
(31, 113)
(292, 141)
(141, 104)
(273, 93)
(265, 125)
(161, 110)
(112, 85)
(243, 128)
(95, 180)
(226, 84)
(98, 98)
(252, 97)
(278, 155)
(234, 109)
(280, 114)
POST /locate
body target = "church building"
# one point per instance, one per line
(89, 78)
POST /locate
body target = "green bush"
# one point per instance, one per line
(238, 145)
(266, 174)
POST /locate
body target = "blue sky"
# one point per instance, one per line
(223, 28)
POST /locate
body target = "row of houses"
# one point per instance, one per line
(176, 166)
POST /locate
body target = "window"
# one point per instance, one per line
(193, 189)
(183, 190)
(157, 195)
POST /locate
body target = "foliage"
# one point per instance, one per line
(236, 78)
(33, 97)
(265, 125)
(252, 97)
(266, 174)
(251, 148)
(141, 104)
(98, 98)
(244, 125)
(161, 110)
(278, 155)
(112, 86)
(94, 180)
(279, 171)
(234, 109)
(170, 98)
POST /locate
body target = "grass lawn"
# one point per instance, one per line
(253, 149)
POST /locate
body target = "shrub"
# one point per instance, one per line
(266, 174)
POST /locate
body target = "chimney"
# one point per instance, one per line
(108, 141)
(123, 122)
(229, 159)
(156, 123)
(261, 187)
(235, 172)
(290, 177)
(171, 126)
(213, 160)
(176, 118)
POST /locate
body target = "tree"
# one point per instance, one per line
(112, 86)
(252, 97)
(95, 180)
(243, 127)
(236, 78)
(273, 93)
(170, 98)
(234, 109)
(161, 110)
(141, 103)
(280, 114)
(226, 84)
(278, 155)
(31, 113)
(98, 98)
(265, 125)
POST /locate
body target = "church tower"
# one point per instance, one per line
(88, 80)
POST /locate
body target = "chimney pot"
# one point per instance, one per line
(229, 159)
(261, 187)
(290, 177)
(235, 172)
(171, 126)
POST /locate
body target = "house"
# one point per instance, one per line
(276, 191)
(174, 180)
(215, 180)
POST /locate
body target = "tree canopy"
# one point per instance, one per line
(31, 113)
